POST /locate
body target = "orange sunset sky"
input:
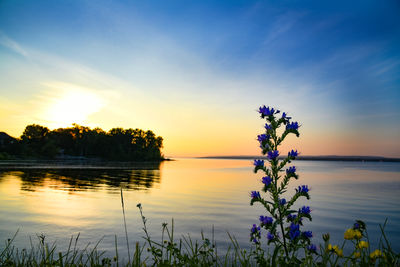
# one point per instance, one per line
(195, 73)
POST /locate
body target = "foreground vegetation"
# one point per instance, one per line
(277, 240)
(183, 251)
(80, 141)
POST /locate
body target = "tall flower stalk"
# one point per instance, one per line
(282, 222)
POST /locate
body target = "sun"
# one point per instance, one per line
(72, 104)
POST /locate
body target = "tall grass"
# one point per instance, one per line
(169, 251)
(182, 251)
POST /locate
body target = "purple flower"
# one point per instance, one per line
(294, 227)
(356, 226)
(302, 189)
(305, 210)
(270, 236)
(293, 235)
(267, 127)
(312, 248)
(265, 220)
(285, 116)
(291, 170)
(262, 137)
(267, 180)
(292, 126)
(255, 229)
(255, 233)
(258, 162)
(273, 154)
(294, 231)
(307, 234)
(282, 201)
(266, 111)
(293, 153)
(255, 194)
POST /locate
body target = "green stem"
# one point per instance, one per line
(275, 173)
(283, 233)
(126, 231)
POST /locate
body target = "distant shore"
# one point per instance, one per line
(87, 163)
(77, 163)
(315, 158)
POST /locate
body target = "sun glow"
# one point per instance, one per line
(72, 104)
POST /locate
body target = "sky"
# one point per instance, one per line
(195, 72)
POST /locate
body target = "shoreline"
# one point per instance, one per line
(88, 164)
(93, 164)
(313, 158)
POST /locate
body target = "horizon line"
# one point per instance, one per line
(304, 157)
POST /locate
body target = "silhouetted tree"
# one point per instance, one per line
(116, 144)
(35, 142)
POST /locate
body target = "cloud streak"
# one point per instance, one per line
(12, 44)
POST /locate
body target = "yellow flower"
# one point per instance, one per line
(349, 234)
(357, 234)
(335, 249)
(362, 244)
(357, 255)
(376, 254)
(338, 251)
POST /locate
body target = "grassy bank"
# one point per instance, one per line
(183, 251)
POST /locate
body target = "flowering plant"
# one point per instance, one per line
(283, 223)
(359, 253)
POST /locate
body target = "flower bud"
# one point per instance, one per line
(326, 237)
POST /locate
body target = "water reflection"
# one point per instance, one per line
(200, 194)
(86, 179)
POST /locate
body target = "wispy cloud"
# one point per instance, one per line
(385, 66)
(12, 44)
(283, 24)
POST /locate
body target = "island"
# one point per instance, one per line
(81, 142)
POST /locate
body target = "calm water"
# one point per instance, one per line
(197, 193)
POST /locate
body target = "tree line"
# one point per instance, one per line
(80, 141)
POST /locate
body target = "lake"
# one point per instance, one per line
(199, 194)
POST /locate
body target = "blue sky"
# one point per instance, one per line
(198, 70)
